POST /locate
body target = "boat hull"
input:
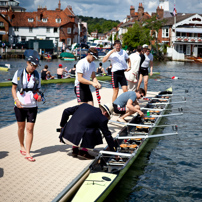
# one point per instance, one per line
(91, 192)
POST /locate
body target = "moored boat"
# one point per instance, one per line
(67, 56)
(109, 167)
(4, 67)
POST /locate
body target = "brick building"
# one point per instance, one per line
(57, 25)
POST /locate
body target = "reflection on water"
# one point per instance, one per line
(169, 168)
(55, 93)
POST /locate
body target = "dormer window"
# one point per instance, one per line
(44, 20)
(30, 19)
(58, 20)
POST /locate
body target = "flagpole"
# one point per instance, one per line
(175, 20)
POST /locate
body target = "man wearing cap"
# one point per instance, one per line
(85, 69)
(126, 104)
(83, 129)
(148, 62)
(118, 58)
(60, 71)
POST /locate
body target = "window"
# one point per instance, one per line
(69, 30)
(188, 49)
(184, 34)
(179, 48)
(68, 41)
(47, 30)
(165, 32)
(178, 34)
(30, 29)
(1, 24)
(30, 20)
(58, 20)
(16, 29)
(55, 30)
(44, 20)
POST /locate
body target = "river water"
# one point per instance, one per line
(168, 168)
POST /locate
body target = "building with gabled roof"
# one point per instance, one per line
(57, 25)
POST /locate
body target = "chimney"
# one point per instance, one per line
(59, 5)
(159, 12)
(132, 11)
(140, 10)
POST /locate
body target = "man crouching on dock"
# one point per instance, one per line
(84, 127)
(126, 104)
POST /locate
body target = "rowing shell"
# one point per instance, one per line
(107, 169)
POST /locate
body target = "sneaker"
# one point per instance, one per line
(85, 155)
(75, 151)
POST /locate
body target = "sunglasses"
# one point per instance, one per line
(141, 95)
(35, 66)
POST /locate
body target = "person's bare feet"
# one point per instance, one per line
(121, 120)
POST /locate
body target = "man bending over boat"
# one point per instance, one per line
(126, 104)
(83, 129)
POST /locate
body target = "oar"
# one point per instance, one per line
(180, 109)
(116, 153)
(155, 98)
(165, 115)
(145, 136)
(141, 125)
(163, 103)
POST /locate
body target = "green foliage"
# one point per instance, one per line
(136, 35)
(100, 24)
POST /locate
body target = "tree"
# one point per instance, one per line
(154, 25)
(136, 35)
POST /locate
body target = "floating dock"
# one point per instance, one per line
(55, 174)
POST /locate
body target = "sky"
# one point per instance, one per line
(115, 9)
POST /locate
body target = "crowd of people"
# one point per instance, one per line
(86, 122)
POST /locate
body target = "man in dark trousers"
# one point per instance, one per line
(83, 129)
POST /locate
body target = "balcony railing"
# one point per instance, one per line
(189, 39)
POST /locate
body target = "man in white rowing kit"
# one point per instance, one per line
(126, 104)
(85, 69)
(118, 58)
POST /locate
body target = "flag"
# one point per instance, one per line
(174, 11)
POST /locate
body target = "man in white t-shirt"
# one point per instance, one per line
(85, 69)
(119, 59)
(132, 75)
(148, 62)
